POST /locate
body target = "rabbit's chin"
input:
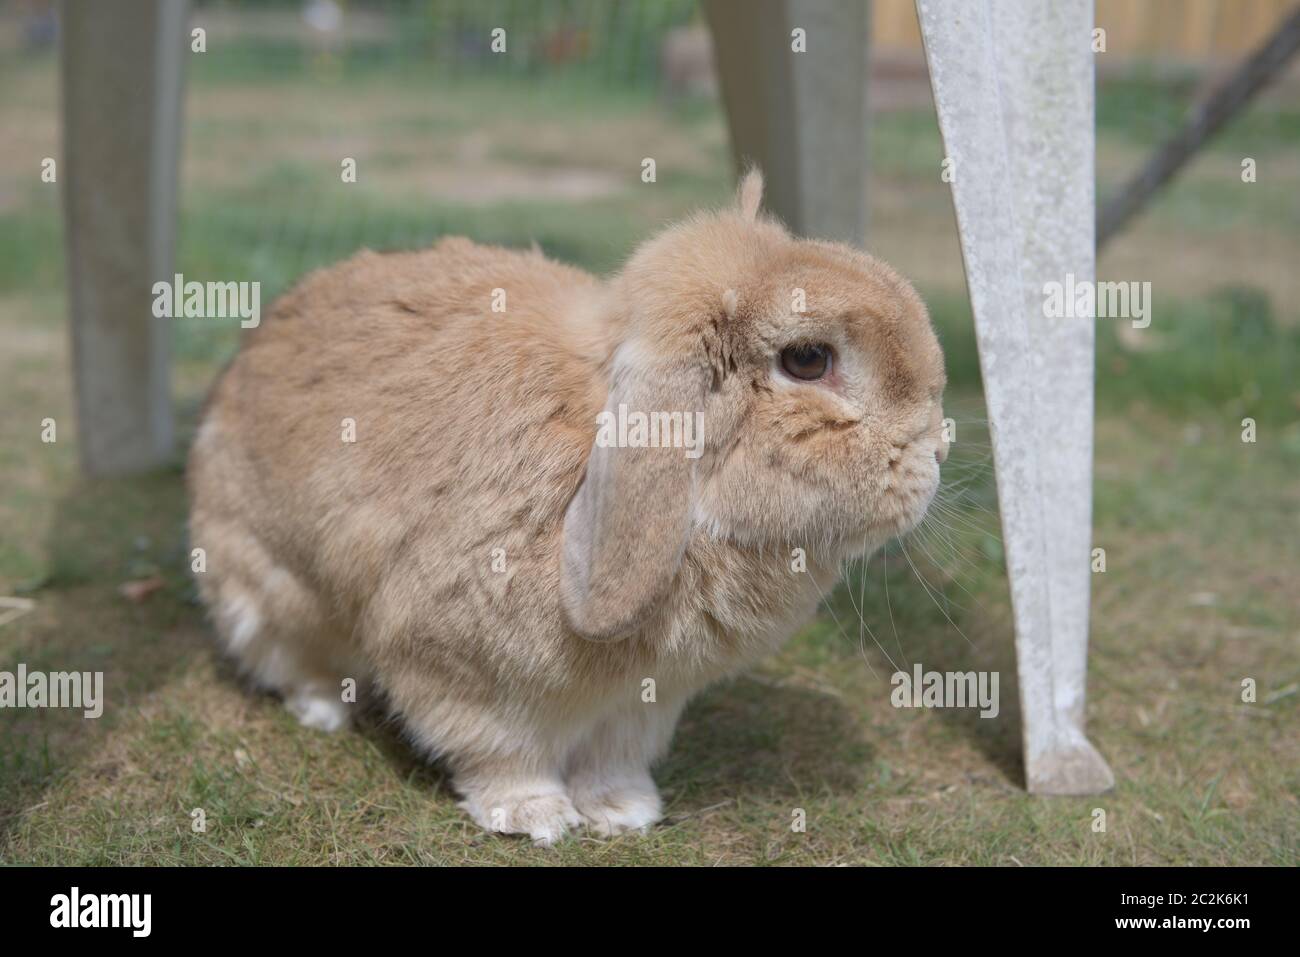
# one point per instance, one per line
(876, 537)
(901, 519)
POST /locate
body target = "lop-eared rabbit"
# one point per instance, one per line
(535, 511)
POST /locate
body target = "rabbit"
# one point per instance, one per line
(400, 484)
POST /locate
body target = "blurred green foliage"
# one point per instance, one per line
(605, 41)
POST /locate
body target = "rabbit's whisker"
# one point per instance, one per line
(921, 579)
(862, 620)
(884, 556)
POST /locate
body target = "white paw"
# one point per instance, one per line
(320, 711)
(544, 817)
(617, 808)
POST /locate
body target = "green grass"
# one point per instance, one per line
(1197, 525)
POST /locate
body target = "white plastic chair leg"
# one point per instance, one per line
(1013, 85)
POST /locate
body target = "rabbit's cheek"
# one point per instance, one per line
(904, 483)
(913, 486)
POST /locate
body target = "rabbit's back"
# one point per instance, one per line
(384, 414)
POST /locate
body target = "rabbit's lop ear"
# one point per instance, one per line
(626, 529)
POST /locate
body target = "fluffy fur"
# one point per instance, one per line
(507, 584)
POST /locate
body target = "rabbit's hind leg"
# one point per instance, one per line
(274, 626)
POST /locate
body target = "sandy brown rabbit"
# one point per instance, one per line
(424, 472)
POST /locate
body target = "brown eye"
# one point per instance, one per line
(806, 362)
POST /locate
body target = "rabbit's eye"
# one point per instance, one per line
(806, 361)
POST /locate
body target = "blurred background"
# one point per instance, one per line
(546, 145)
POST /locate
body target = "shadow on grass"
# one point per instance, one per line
(105, 532)
(749, 738)
(943, 626)
(996, 738)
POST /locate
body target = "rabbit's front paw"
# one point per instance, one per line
(545, 817)
(617, 806)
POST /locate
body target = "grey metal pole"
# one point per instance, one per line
(796, 105)
(122, 66)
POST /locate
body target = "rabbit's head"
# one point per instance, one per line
(808, 384)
